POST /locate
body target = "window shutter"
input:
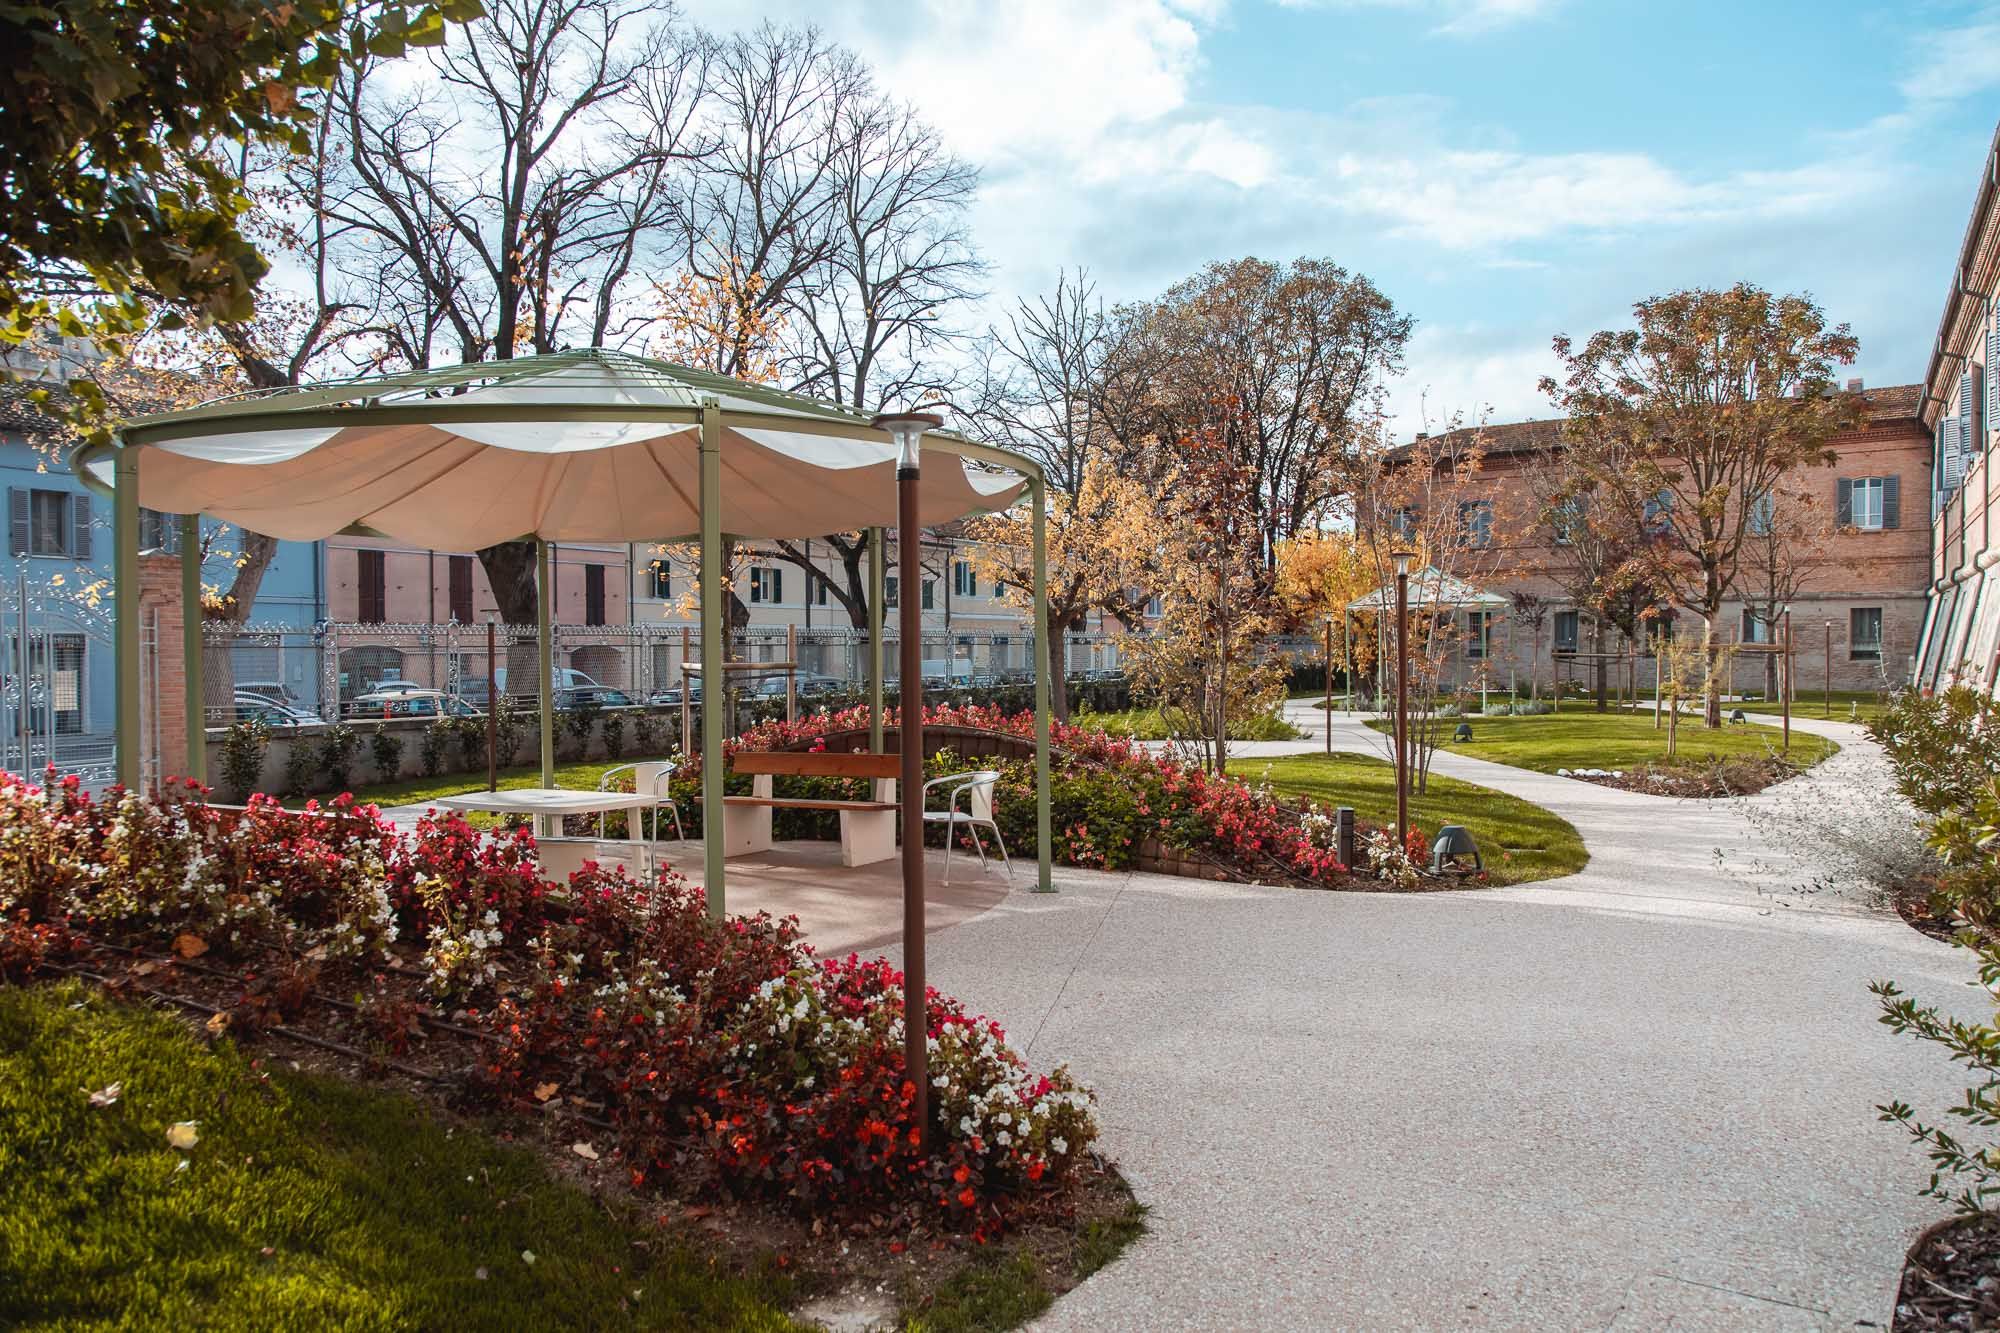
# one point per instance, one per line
(17, 520)
(1843, 503)
(79, 526)
(777, 585)
(1892, 502)
(1993, 357)
(1951, 453)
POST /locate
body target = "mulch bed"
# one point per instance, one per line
(1912, 900)
(1952, 1279)
(1716, 778)
(283, 1020)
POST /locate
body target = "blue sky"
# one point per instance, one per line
(1503, 169)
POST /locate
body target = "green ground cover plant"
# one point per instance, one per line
(1575, 739)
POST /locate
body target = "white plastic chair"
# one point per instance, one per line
(978, 789)
(651, 775)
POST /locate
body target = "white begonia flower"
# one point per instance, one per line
(1060, 1145)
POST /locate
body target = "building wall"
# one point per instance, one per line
(417, 582)
(1884, 570)
(1961, 640)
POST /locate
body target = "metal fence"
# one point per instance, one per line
(343, 671)
(53, 651)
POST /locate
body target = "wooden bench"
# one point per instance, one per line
(867, 827)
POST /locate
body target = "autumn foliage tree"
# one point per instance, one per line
(1684, 423)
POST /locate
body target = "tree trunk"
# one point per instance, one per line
(1712, 687)
(1053, 656)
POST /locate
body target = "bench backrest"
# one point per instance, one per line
(818, 764)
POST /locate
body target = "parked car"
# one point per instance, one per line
(256, 707)
(411, 703)
(671, 698)
(275, 690)
(600, 696)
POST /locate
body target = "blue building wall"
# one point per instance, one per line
(59, 536)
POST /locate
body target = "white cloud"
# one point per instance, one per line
(1451, 18)
(1955, 63)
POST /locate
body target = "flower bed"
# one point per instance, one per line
(720, 1055)
(1107, 799)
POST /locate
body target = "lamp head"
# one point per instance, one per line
(907, 430)
(1402, 561)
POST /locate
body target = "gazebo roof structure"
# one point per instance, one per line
(592, 445)
(1430, 587)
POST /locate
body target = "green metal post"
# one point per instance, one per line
(191, 649)
(878, 581)
(1039, 522)
(714, 693)
(545, 593)
(125, 609)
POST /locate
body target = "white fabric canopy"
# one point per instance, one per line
(585, 446)
(1430, 587)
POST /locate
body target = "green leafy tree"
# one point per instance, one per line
(127, 122)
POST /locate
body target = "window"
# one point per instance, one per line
(1763, 510)
(1756, 629)
(56, 662)
(891, 586)
(767, 584)
(159, 532)
(372, 582)
(1478, 634)
(1153, 607)
(1567, 624)
(963, 584)
(663, 579)
(1864, 634)
(459, 580)
(1475, 523)
(930, 593)
(1869, 504)
(816, 589)
(1404, 523)
(1659, 511)
(48, 523)
(593, 594)
(1565, 519)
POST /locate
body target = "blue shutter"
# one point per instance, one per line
(79, 534)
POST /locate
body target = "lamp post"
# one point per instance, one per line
(1785, 675)
(1828, 694)
(907, 429)
(1327, 621)
(1402, 559)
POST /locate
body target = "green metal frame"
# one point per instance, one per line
(193, 698)
(125, 611)
(714, 698)
(878, 592)
(546, 659)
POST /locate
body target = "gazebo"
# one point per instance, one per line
(591, 445)
(1430, 590)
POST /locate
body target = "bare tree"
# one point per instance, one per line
(509, 196)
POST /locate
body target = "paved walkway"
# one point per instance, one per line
(1638, 1097)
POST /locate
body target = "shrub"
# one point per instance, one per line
(470, 733)
(614, 736)
(243, 749)
(578, 723)
(385, 748)
(1503, 710)
(337, 747)
(646, 733)
(302, 770)
(436, 742)
(510, 726)
(1944, 749)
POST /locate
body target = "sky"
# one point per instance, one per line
(1505, 170)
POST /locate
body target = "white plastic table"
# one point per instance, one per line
(549, 804)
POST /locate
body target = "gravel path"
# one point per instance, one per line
(1638, 1097)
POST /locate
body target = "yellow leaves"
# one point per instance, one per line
(544, 1091)
(190, 946)
(182, 1135)
(584, 1150)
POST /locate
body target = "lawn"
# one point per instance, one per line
(1146, 724)
(1863, 706)
(582, 775)
(304, 1202)
(1521, 842)
(1582, 738)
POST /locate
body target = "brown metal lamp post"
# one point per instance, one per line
(907, 429)
(1327, 621)
(1785, 675)
(1828, 694)
(1402, 559)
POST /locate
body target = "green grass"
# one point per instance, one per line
(1146, 724)
(1521, 841)
(582, 775)
(307, 1203)
(1863, 706)
(1008, 1286)
(1585, 738)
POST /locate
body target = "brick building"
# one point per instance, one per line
(1866, 597)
